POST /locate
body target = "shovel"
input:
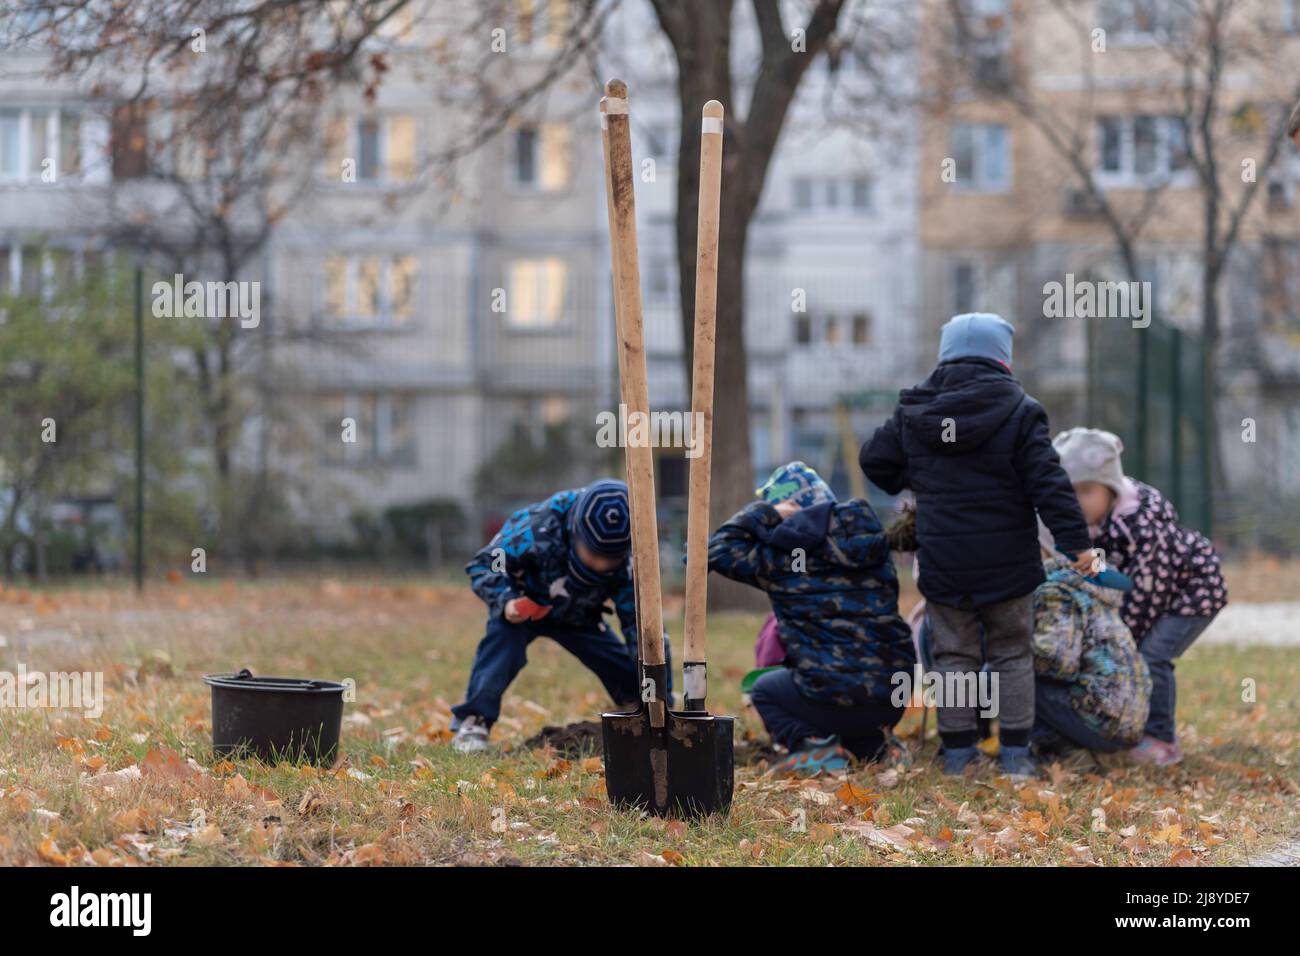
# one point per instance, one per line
(662, 761)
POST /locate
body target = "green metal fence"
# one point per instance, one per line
(1147, 386)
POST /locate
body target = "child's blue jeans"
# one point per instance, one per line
(791, 718)
(1167, 639)
(503, 652)
(1054, 717)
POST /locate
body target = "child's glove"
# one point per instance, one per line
(525, 609)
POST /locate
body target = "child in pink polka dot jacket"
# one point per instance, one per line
(1177, 584)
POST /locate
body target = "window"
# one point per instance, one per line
(861, 329)
(982, 155)
(659, 282)
(31, 268)
(989, 32)
(1144, 21)
(963, 287)
(542, 22)
(370, 291)
(1291, 16)
(829, 193)
(36, 270)
(661, 141)
(368, 149)
(385, 429)
(34, 140)
(832, 330)
(542, 157)
(130, 141)
(803, 193)
(1136, 148)
(385, 149)
(537, 292)
(861, 193)
(10, 162)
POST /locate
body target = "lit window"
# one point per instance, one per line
(370, 291)
(542, 157)
(537, 293)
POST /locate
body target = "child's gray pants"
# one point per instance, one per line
(1008, 649)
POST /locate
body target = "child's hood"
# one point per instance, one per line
(961, 404)
(806, 528)
(849, 530)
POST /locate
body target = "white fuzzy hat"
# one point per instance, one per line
(1090, 454)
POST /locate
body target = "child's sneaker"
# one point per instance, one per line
(1016, 762)
(471, 736)
(1156, 752)
(957, 759)
(816, 755)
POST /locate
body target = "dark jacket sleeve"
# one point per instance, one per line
(494, 585)
(1048, 485)
(738, 549)
(882, 458)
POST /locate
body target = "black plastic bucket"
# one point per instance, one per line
(275, 718)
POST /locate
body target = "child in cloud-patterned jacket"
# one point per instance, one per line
(1092, 687)
(827, 569)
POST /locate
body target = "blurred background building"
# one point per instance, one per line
(454, 304)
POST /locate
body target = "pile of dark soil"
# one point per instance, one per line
(580, 739)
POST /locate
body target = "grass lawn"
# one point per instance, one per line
(140, 784)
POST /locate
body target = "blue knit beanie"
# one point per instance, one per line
(976, 335)
(601, 520)
(796, 481)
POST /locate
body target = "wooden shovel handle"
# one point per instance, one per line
(706, 311)
(618, 337)
(632, 373)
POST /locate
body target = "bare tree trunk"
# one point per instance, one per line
(732, 472)
(701, 39)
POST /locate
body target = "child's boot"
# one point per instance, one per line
(1156, 752)
(814, 755)
(471, 736)
(1016, 761)
(957, 759)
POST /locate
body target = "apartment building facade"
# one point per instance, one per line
(1053, 99)
(456, 311)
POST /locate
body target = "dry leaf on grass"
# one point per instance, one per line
(165, 763)
(898, 837)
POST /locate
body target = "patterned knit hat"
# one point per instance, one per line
(601, 520)
(798, 482)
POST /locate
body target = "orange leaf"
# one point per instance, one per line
(855, 796)
(50, 853)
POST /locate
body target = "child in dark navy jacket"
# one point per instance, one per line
(977, 453)
(550, 571)
(826, 567)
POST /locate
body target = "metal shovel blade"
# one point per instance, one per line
(685, 768)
